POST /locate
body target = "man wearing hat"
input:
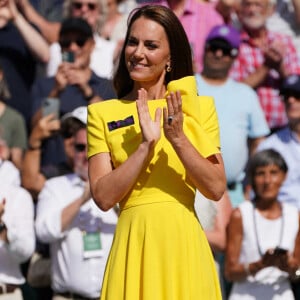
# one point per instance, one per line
(73, 85)
(287, 140)
(78, 232)
(241, 118)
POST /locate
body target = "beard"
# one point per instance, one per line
(253, 22)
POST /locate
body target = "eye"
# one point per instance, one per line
(132, 41)
(151, 45)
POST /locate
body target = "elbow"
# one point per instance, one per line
(45, 57)
(103, 204)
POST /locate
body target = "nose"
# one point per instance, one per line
(73, 47)
(219, 53)
(139, 51)
(267, 178)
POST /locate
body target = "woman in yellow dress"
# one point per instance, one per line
(148, 152)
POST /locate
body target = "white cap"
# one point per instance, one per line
(79, 113)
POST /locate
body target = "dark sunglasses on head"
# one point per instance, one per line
(288, 94)
(80, 147)
(223, 46)
(78, 5)
(66, 43)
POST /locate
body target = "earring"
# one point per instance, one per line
(168, 69)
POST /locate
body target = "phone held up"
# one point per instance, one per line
(51, 106)
(68, 56)
(280, 251)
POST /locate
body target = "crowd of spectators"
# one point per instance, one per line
(57, 57)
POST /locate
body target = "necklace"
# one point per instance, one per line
(256, 231)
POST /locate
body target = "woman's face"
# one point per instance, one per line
(147, 51)
(267, 181)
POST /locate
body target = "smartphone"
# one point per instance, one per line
(280, 251)
(68, 56)
(51, 106)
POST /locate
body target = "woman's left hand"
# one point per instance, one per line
(173, 117)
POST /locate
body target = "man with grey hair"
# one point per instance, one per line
(265, 59)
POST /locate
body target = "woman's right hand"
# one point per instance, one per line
(151, 129)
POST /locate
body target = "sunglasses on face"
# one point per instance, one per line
(295, 95)
(79, 5)
(226, 49)
(66, 43)
(80, 147)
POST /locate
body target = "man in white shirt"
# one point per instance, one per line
(79, 233)
(17, 238)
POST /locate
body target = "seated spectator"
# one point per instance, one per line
(260, 263)
(287, 141)
(12, 126)
(79, 234)
(17, 238)
(237, 105)
(93, 11)
(21, 49)
(74, 84)
(265, 59)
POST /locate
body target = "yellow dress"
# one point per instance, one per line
(159, 251)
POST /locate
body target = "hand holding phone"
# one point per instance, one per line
(51, 106)
(68, 56)
(280, 251)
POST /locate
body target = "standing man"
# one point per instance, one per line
(79, 233)
(241, 119)
(265, 59)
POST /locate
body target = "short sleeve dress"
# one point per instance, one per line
(159, 251)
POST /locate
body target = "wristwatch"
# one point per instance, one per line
(2, 226)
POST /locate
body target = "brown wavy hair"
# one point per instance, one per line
(180, 50)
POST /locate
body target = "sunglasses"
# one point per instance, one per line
(90, 5)
(293, 94)
(66, 43)
(226, 50)
(80, 147)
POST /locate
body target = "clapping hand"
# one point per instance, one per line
(173, 117)
(150, 128)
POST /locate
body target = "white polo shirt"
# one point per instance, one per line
(71, 271)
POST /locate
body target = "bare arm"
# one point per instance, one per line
(217, 235)
(253, 143)
(70, 211)
(34, 41)
(32, 178)
(109, 186)
(257, 77)
(207, 174)
(234, 270)
(49, 30)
